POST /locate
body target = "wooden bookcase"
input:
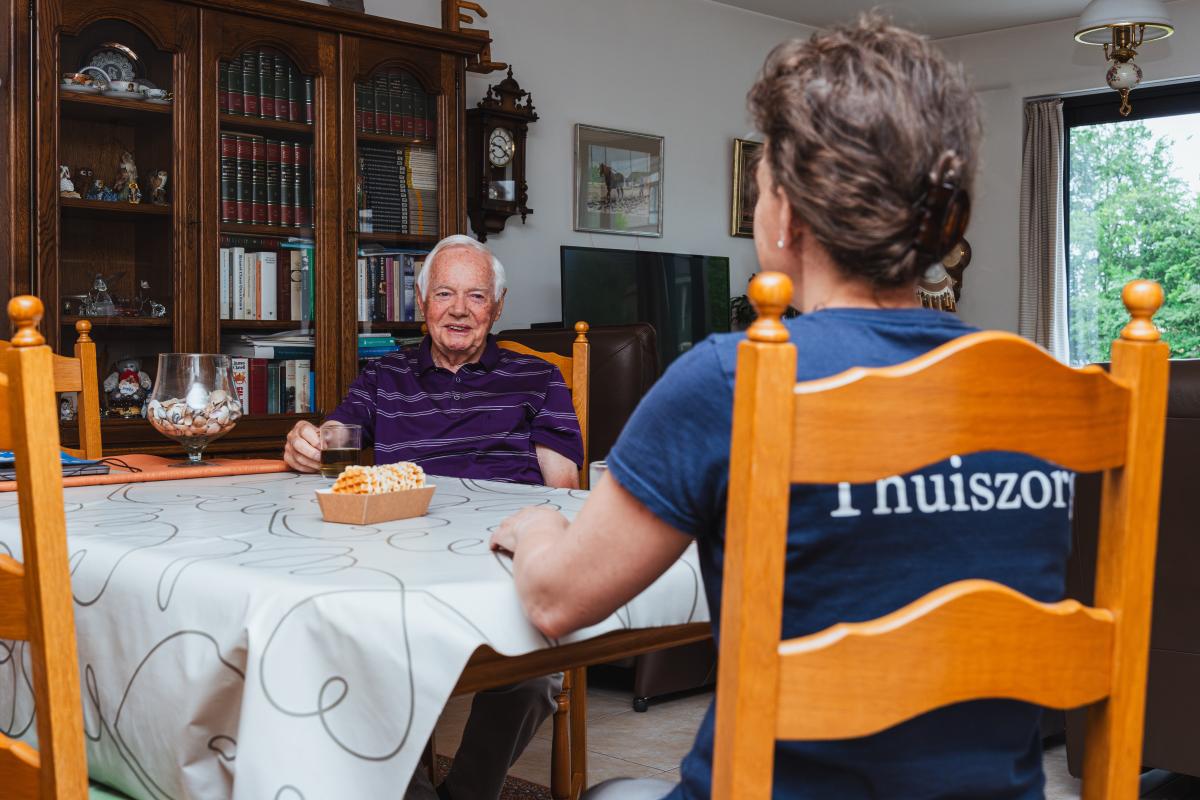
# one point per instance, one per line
(53, 246)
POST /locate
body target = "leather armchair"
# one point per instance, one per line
(624, 363)
(1173, 686)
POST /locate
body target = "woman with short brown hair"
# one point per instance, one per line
(870, 146)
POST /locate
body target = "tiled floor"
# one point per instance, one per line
(622, 742)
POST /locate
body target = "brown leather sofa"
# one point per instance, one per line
(1173, 687)
(624, 365)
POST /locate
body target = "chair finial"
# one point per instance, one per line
(1142, 300)
(25, 311)
(83, 328)
(770, 293)
(581, 329)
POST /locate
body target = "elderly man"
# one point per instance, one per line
(460, 406)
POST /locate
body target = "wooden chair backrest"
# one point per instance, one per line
(78, 374)
(35, 595)
(970, 639)
(575, 371)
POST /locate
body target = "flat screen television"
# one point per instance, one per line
(685, 297)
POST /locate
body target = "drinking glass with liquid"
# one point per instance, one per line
(340, 446)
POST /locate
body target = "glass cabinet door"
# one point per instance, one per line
(393, 98)
(264, 249)
(117, 238)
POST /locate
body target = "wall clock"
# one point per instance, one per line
(496, 141)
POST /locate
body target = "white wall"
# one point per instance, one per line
(1007, 67)
(675, 68)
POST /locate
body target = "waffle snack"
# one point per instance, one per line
(380, 479)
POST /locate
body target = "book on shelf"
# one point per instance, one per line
(288, 398)
(273, 387)
(400, 103)
(256, 386)
(287, 186)
(383, 112)
(241, 374)
(223, 87)
(294, 94)
(303, 385)
(228, 177)
(302, 199)
(308, 100)
(266, 84)
(235, 102)
(244, 186)
(274, 182)
(366, 103)
(268, 285)
(258, 178)
(250, 84)
(282, 108)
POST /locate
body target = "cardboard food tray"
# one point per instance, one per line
(366, 509)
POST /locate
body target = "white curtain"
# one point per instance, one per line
(1043, 309)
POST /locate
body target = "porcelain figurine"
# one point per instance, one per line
(126, 174)
(66, 187)
(126, 389)
(158, 187)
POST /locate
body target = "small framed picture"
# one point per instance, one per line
(744, 189)
(618, 182)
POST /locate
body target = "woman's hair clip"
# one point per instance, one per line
(943, 210)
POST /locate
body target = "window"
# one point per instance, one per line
(1132, 192)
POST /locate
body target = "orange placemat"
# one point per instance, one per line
(158, 468)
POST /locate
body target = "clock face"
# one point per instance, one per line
(501, 146)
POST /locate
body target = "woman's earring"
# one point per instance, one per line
(780, 243)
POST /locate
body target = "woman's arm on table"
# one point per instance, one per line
(571, 575)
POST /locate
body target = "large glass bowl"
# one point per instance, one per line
(194, 401)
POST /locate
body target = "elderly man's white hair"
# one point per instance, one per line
(499, 279)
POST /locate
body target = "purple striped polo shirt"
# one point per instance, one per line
(480, 422)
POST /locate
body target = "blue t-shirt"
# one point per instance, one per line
(857, 552)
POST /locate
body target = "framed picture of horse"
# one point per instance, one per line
(745, 161)
(618, 181)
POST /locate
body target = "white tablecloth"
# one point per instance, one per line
(232, 644)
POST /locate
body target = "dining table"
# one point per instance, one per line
(233, 644)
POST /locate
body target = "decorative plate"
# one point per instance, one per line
(81, 88)
(118, 61)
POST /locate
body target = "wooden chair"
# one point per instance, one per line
(575, 371)
(35, 596)
(971, 639)
(568, 755)
(78, 374)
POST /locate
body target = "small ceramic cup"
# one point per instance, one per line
(153, 94)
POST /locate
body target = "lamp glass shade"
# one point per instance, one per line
(1100, 16)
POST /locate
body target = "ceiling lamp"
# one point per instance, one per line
(1121, 26)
